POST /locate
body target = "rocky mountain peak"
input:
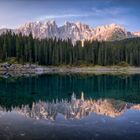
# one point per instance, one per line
(40, 29)
(74, 31)
(110, 32)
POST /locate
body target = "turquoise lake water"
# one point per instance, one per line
(70, 107)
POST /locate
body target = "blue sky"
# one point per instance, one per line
(93, 12)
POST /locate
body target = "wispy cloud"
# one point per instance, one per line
(63, 16)
(112, 11)
(95, 12)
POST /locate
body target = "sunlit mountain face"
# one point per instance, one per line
(74, 31)
(70, 107)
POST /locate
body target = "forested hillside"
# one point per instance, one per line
(22, 49)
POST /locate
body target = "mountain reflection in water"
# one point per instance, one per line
(75, 108)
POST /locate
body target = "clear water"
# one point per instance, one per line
(70, 107)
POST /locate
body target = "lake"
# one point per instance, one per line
(70, 107)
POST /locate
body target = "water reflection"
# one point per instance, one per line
(84, 107)
(18, 91)
(75, 108)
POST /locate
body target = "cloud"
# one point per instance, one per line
(95, 12)
(111, 11)
(63, 16)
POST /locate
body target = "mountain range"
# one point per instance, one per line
(74, 31)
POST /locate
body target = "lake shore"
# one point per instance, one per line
(36, 69)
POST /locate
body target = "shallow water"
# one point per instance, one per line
(70, 107)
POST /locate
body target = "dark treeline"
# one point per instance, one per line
(58, 52)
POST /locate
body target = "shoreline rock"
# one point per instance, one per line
(36, 69)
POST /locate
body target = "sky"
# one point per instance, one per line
(14, 13)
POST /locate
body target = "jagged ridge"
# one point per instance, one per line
(74, 31)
